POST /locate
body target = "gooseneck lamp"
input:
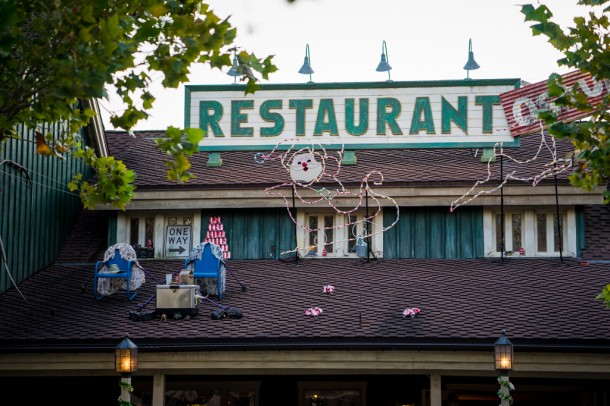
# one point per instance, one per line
(471, 64)
(384, 64)
(234, 71)
(306, 68)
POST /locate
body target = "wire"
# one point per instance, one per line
(47, 186)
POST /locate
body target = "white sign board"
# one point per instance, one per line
(432, 114)
(178, 241)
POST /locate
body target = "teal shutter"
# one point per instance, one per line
(254, 233)
(580, 231)
(434, 232)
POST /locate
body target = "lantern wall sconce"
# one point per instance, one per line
(471, 64)
(126, 357)
(384, 64)
(306, 68)
(503, 354)
(125, 363)
(234, 71)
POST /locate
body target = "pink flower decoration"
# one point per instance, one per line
(313, 311)
(411, 312)
(328, 289)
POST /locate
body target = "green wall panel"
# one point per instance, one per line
(434, 232)
(270, 232)
(431, 232)
(36, 208)
(451, 238)
(437, 244)
(390, 250)
(421, 244)
(580, 231)
(254, 233)
(254, 227)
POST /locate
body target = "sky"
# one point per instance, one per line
(425, 40)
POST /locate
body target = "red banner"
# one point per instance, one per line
(521, 105)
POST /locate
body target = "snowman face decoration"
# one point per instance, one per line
(304, 168)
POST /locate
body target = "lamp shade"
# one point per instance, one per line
(383, 66)
(471, 64)
(503, 354)
(234, 71)
(126, 357)
(306, 69)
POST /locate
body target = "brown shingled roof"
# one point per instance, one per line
(399, 167)
(541, 303)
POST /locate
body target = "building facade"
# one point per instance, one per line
(435, 227)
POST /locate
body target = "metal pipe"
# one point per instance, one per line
(558, 217)
(503, 241)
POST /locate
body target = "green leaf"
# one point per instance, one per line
(604, 295)
(194, 135)
(541, 13)
(75, 50)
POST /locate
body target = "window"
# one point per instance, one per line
(332, 393)
(141, 231)
(134, 231)
(149, 234)
(331, 234)
(357, 228)
(530, 232)
(146, 230)
(320, 235)
(197, 392)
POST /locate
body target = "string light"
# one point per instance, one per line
(327, 169)
(555, 167)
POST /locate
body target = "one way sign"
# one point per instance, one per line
(177, 241)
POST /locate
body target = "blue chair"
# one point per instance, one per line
(114, 269)
(206, 265)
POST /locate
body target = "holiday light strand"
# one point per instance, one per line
(325, 194)
(372, 194)
(552, 168)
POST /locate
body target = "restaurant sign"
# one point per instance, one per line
(521, 106)
(433, 114)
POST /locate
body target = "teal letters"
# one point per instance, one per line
(300, 106)
(459, 116)
(210, 113)
(326, 120)
(419, 123)
(487, 102)
(388, 116)
(272, 117)
(237, 117)
(363, 121)
(276, 118)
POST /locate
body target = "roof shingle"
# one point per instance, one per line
(539, 302)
